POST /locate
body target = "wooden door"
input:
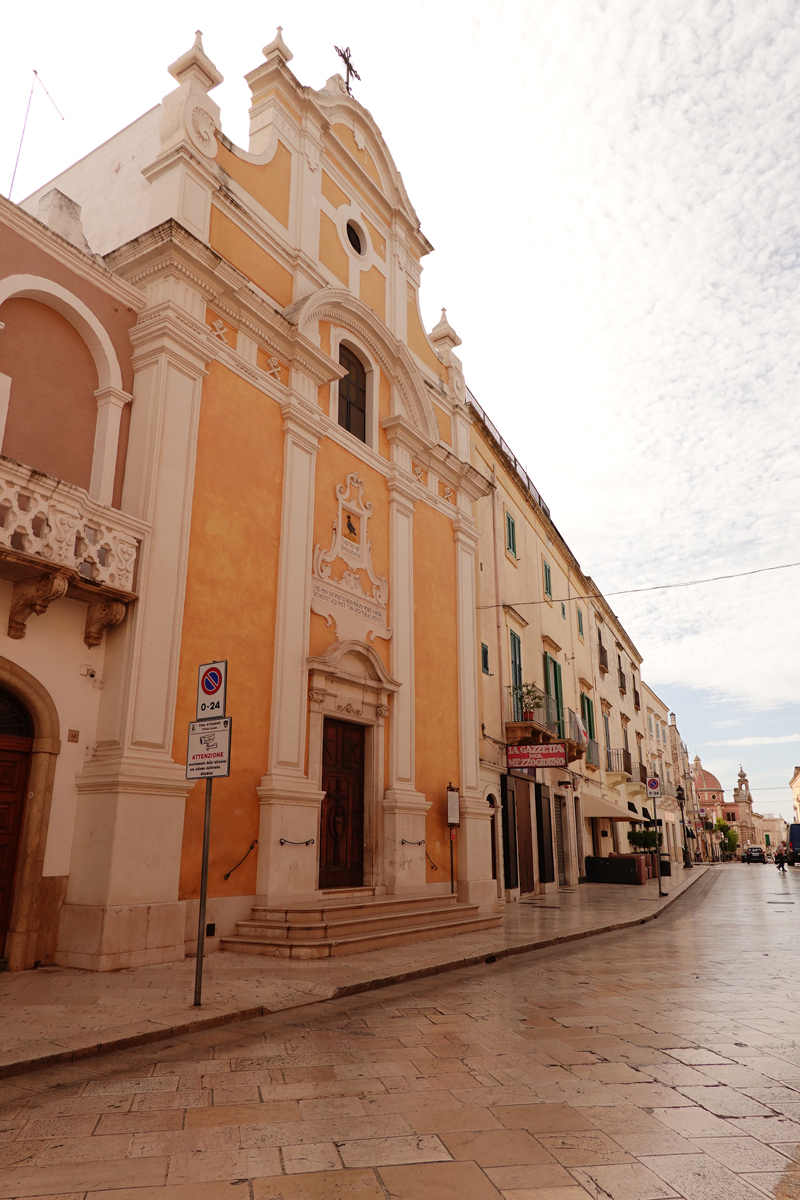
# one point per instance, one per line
(544, 835)
(13, 780)
(558, 819)
(341, 836)
(524, 836)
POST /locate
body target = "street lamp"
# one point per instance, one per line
(681, 798)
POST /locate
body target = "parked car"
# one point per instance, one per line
(754, 854)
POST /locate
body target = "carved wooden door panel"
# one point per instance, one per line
(13, 779)
(341, 839)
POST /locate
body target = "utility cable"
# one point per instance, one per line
(655, 587)
(25, 123)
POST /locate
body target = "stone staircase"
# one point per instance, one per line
(352, 922)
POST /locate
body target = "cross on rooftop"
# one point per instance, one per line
(344, 55)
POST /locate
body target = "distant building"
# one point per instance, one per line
(794, 784)
(710, 798)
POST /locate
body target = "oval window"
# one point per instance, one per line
(354, 237)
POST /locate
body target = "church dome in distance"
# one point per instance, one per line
(704, 780)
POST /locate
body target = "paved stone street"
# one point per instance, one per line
(663, 1061)
(53, 1014)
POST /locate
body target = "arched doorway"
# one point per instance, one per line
(16, 743)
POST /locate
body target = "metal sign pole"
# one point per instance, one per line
(201, 921)
(452, 839)
(661, 891)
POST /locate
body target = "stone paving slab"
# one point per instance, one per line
(57, 1015)
(433, 1088)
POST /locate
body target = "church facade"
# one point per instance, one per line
(298, 459)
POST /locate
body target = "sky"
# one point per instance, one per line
(612, 192)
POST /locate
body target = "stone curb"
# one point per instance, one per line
(90, 1050)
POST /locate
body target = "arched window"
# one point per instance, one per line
(353, 395)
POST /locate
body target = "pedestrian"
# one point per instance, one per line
(780, 857)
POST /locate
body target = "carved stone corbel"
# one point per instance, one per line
(100, 614)
(33, 596)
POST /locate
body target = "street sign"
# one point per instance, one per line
(209, 752)
(654, 786)
(453, 811)
(519, 757)
(212, 684)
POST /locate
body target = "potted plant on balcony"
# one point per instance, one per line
(528, 696)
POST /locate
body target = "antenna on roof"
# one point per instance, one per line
(25, 123)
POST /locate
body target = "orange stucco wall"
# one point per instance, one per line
(52, 414)
(331, 251)
(373, 291)
(436, 676)
(231, 591)
(247, 256)
(334, 464)
(269, 184)
(18, 255)
(345, 136)
(332, 192)
(418, 340)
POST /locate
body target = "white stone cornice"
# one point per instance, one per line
(86, 267)
(167, 329)
(305, 423)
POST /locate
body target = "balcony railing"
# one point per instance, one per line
(62, 526)
(623, 681)
(637, 700)
(576, 730)
(531, 705)
(593, 753)
(603, 658)
(619, 761)
(514, 463)
(55, 541)
(639, 774)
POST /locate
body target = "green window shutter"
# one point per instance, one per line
(548, 583)
(580, 622)
(558, 696)
(587, 713)
(548, 687)
(511, 534)
(485, 658)
(516, 673)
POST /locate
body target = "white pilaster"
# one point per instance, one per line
(122, 906)
(475, 883)
(290, 802)
(404, 807)
(110, 403)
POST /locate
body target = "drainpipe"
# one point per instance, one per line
(501, 674)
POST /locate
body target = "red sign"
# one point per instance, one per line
(554, 755)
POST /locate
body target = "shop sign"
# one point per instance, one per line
(552, 755)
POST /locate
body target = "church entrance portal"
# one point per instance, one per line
(341, 837)
(16, 741)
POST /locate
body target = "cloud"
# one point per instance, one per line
(757, 741)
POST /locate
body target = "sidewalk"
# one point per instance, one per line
(56, 1014)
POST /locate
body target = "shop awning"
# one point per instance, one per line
(596, 806)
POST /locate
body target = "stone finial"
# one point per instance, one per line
(443, 335)
(196, 65)
(278, 48)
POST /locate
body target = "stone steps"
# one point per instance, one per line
(326, 929)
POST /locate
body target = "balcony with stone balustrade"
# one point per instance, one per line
(56, 541)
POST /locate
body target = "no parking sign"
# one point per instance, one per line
(654, 786)
(212, 684)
